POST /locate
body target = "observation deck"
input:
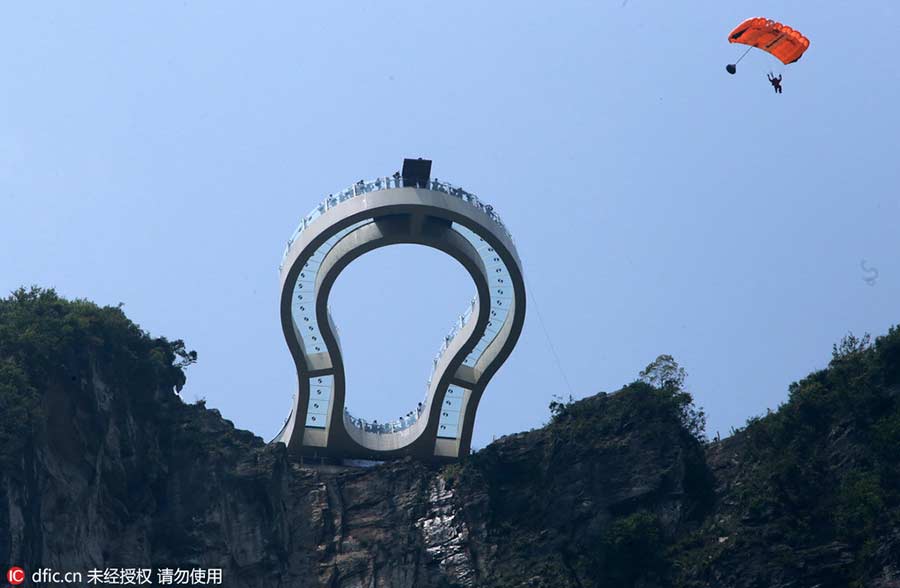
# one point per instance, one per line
(344, 226)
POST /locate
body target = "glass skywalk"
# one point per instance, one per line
(303, 307)
(397, 210)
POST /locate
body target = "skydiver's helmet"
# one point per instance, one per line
(731, 68)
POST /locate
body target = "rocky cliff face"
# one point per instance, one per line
(107, 467)
(118, 486)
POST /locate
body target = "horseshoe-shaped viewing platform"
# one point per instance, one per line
(407, 208)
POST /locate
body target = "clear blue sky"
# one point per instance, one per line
(160, 154)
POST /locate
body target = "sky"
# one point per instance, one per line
(160, 154)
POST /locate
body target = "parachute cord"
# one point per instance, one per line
(559, 366)
(745, 53)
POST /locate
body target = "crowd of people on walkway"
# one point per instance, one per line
(404, 422)
(394, 181)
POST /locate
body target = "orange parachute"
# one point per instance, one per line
(773, 37)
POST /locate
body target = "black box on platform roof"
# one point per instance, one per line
(416, 172)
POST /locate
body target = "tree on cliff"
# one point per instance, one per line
(665, 374)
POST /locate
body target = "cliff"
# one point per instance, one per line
(103, 465)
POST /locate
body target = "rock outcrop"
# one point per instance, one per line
(105, 466)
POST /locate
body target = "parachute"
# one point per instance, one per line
(773, 37)
(779, 40)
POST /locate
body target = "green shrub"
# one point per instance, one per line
(860, 501)
(632, 548)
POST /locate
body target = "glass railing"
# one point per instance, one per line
(386, 183)
(489, 257)
(500, 298)
(394, 426)
(457, 327)
(410, 418)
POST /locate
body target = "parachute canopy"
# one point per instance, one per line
(773, 37)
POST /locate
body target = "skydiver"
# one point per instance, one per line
(776, 82)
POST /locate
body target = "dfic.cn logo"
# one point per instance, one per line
(15, 576)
